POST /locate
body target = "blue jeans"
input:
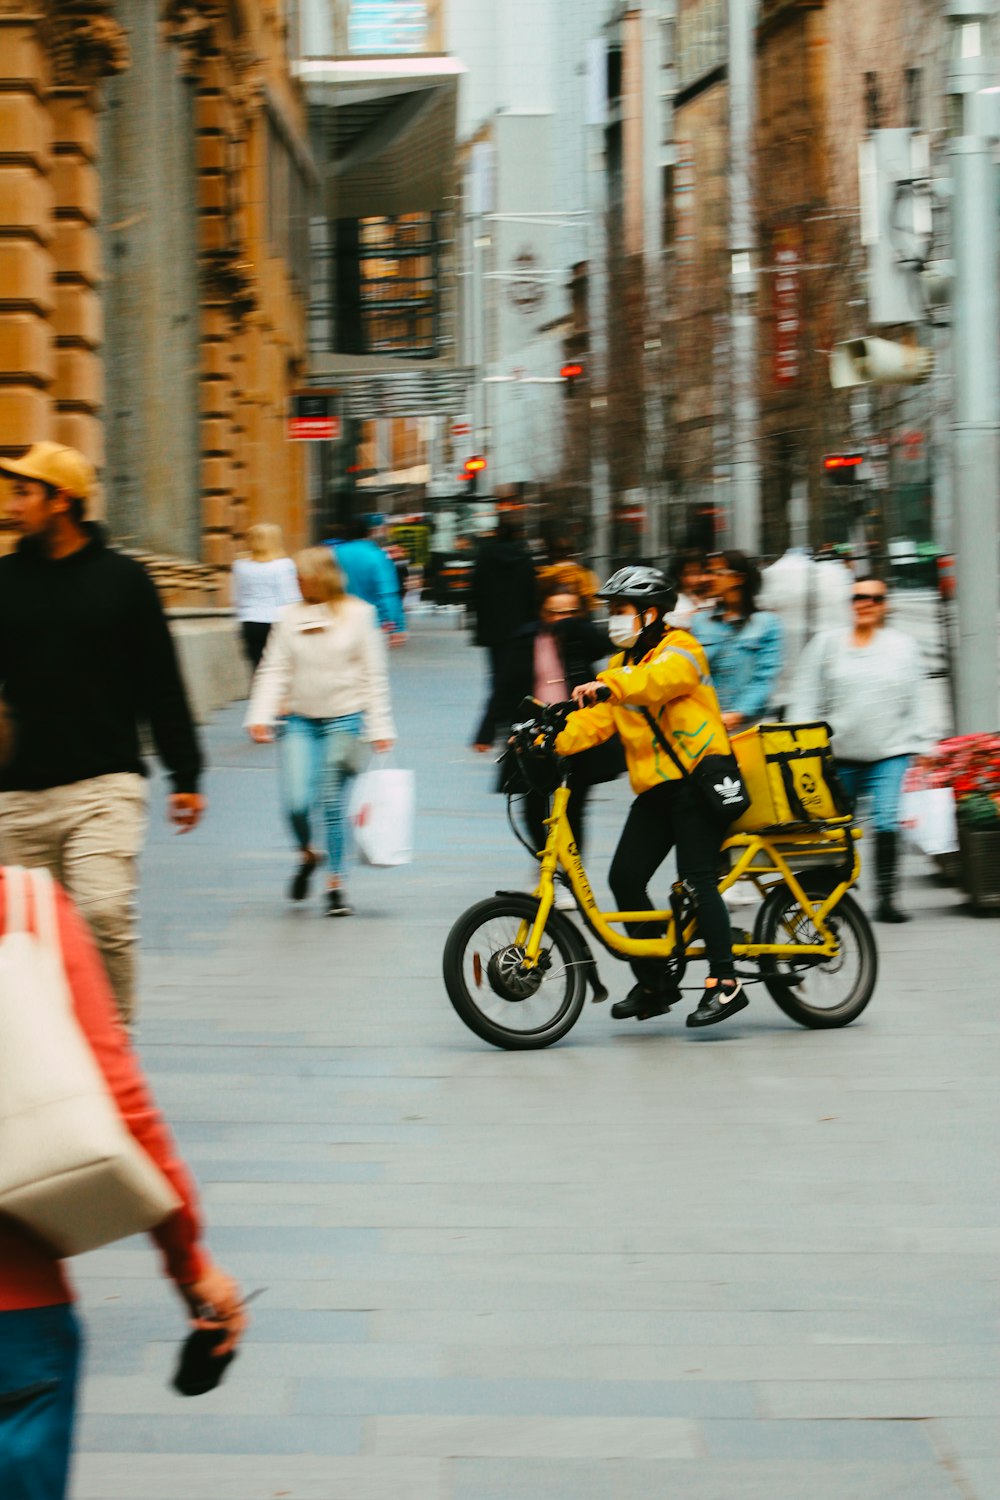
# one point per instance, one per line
(881, 783)
(40, 1351)
(319, 758)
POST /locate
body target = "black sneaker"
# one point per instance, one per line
(337, 904)
(641, 1003)
(888, 912)
(719, 1003)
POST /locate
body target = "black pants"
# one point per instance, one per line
(666, 815)
(255, 634)
(535, 809)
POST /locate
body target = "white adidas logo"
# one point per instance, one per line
(729, 790)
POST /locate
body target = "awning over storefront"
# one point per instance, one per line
(385, 129)
(368, 386)
(396, 478)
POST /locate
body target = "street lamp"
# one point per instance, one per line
(972, 80)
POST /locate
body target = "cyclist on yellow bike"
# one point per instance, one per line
(663, 671)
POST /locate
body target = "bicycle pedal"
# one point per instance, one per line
(662, 1008)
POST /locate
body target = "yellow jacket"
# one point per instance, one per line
(672, 682)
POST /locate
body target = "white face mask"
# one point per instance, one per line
(625, 630)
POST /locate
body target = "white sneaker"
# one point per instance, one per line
(741, 894)
(565, 901)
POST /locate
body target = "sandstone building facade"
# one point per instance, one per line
(155, 190)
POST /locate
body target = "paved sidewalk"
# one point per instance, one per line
(757, 1264)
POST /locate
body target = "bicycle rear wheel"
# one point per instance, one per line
(820, 993)
(505, 1005)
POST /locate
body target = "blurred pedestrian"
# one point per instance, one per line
(323, 686)
(743, 643)
(808, 596)
(85, 654)
(371, 576)
(689, 572)
(397, 556)
(263, 584)
(561, 566)
(40, 1335)
(867, 683)
(546, 659)
(503, 592)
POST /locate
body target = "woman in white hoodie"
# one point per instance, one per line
(323, 686)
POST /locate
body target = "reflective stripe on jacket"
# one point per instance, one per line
(672, 682)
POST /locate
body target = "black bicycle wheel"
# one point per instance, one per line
(827, 992)
(505, 1006)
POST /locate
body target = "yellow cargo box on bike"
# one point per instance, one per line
(789, 773)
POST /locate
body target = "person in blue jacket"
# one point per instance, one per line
(370, 575)
(744, 644)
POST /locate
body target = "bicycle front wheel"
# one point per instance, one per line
(496, 998)
(820, 993)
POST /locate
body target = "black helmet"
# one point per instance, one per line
(636, 584)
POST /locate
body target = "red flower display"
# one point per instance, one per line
(970, 765)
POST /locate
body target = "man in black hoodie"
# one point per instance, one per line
(503, 594)
(85, 655)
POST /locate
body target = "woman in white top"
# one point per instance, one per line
(867, 682)
(324, 683)
(263, 584)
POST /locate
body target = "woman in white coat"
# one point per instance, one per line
(323, 688)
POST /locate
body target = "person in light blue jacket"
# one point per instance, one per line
(370, 575)
(744, 644)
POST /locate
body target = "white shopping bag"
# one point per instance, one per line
(70, 1169)
(928, 818)
(381, 814)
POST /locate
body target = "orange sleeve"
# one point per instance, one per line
(179, 1235)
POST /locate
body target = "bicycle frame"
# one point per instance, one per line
(759, 854)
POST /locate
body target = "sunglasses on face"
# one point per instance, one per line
(868, 598)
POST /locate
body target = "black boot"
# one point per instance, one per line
(886, 858)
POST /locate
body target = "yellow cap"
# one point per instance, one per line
(53, 463)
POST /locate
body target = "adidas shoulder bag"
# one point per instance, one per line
(716, 779)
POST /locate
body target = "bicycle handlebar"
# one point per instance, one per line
(542, 717)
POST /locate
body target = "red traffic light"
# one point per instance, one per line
(571, 371)
(843, 461)
(475, 465)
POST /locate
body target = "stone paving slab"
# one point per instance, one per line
(754, 1264)
(117, 1475)
(699, 1480)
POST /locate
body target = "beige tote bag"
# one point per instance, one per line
(70, 1170)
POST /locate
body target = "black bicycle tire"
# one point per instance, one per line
(847, 910)
(563, 935)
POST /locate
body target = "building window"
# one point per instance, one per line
(288, 206)
(873, 102)
(914, 87)
(387, 26)
(669, 215)
(387, 286)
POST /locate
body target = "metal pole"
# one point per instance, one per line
(744, 485)
(976, 426)
(654, 133)
(597, 297)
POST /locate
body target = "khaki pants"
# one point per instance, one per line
(88, 834)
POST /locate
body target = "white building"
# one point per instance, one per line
(527, 213)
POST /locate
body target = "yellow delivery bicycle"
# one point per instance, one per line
(517, 970)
